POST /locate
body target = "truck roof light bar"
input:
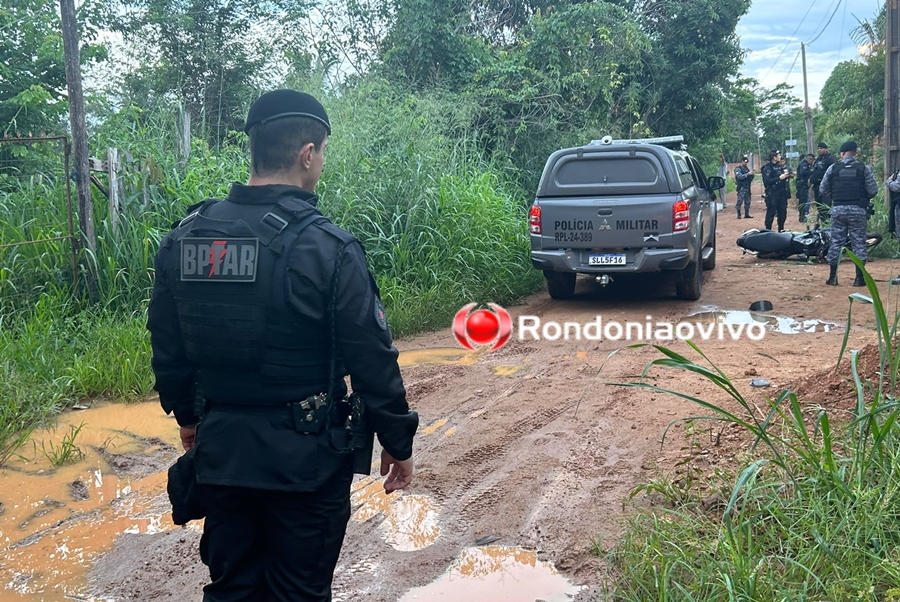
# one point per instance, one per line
(669, 141)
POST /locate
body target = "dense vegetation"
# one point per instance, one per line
(810, 514)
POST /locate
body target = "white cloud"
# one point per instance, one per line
(772, 31)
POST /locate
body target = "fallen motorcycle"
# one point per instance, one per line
(813, 243)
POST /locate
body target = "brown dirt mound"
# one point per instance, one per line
(834, 389)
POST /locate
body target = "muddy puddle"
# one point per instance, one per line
(55, 520)
(498, 574)
(409, 522)
(778, 324)
(72, 490)
(448, 355)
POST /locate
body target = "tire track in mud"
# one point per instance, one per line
(523, 475)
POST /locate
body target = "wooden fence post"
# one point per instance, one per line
(115, 189)
(183, 136)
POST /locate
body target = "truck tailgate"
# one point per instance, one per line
(614, 223)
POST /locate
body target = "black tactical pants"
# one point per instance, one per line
(776, 206)
(823, 206)
(803, 200)
(273, 546)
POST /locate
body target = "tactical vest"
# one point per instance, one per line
(745, 183)
(848, 184)
(229, 281)
(778, 188)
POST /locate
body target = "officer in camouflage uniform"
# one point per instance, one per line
(851, 185)
(743, 175)
(260, 307)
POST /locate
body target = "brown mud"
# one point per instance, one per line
(526, 456)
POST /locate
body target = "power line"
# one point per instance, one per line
(790, 39)
(841, 37)
(792, 66)
(826, 24)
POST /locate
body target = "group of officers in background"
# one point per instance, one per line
(842, 191)
(776, 176)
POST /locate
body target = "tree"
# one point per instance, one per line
(213, 56)
(852, 100)
(695, 51)
(570, 76)
(32, 64)
(430, 44)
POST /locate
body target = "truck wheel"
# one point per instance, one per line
(710, 262)
(560, 285)
(690, 285)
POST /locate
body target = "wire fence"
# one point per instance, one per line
(38, 244)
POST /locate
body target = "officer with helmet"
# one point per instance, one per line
(851, 185)
(260, 307)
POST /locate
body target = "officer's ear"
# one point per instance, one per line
(305, 155)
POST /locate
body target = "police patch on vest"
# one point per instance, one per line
(380, 318)
(219, 259)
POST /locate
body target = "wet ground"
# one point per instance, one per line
(56, 520)
(526, 456)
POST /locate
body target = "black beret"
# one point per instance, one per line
(285, 103)
(822, 145)
(848, 146)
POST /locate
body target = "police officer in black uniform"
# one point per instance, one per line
(820, 166)
(260, 307)
(775, 179)
(804, 171)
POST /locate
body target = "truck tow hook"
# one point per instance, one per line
(604, 279)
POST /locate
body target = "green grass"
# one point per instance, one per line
(59, 355)
(66, 451)
(812, 514)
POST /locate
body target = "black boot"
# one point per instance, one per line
(832, 277)
(747, 215)
(739, 215)
(860, 279)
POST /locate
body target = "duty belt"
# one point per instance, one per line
(309, 415)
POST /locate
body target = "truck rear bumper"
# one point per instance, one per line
(637, 261)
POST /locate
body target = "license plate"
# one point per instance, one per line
(607, 259)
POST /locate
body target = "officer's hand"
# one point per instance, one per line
(188, 433)
(782, 176)
(401, 472)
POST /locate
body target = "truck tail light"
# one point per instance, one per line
(681, 215)
(534, 220)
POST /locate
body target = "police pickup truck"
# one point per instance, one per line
(624, 206)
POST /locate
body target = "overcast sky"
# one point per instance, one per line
(772, 30)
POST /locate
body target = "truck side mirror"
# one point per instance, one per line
(715, 182)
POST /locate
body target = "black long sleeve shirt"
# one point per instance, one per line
(263, 450)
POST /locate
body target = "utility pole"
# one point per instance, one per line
(891, 90)
(806, 111)
(79, 133)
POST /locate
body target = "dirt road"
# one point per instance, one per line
(528, 447)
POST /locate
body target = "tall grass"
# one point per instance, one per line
(814, 514)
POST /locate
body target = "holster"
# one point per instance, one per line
(362, 438)
(346, 426)
(311, 415)
(183, 490)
